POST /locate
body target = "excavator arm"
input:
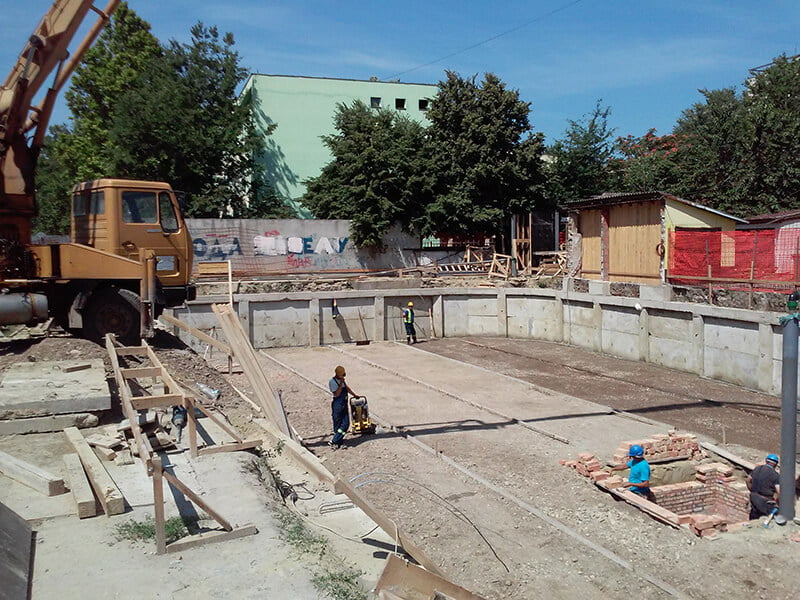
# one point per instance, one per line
(23, 125)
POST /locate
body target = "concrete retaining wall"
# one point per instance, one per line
(739, 346)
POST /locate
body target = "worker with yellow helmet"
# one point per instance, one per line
(408, 321)
(339, 408)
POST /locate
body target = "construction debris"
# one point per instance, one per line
(47, 423)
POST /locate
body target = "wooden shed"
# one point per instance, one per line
(624, 236)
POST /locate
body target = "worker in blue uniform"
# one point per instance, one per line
(339, 406)
(639, 476)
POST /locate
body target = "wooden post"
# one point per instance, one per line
(230, 284)
(191, 423)
(708, 270)
(158, 505)
(752, 270)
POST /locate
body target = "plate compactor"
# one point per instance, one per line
(359, 416)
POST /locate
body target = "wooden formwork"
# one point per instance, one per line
(173, 395)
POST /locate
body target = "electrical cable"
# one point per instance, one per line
(457, 512)
(487, 40)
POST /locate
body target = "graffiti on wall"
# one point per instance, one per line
(301, 252)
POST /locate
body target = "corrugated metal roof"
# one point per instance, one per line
(612, 198)
(778, 217)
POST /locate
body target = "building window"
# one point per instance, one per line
(375, 102)
(423, 104)
(400, 103)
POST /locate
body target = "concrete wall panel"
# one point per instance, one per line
(673, 354)
(279, 322)
(670, 324)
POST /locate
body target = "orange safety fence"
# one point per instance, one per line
(763, 260)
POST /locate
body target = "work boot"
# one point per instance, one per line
(415, 340)
(408, 340)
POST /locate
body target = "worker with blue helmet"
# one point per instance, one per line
(639, 476)
(764, 488)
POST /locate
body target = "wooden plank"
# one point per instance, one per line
(737, 460)
(158, 505)
(130, 350)
(200, 335)
(105, 489)
(211, 537)
(16, 553)
(103, 441)
(141, 372)
(403, 579)
(231, 447)
(105, 454)
(162, 400)
(245, 354)
(31, 475)
(47, 423)
(191, 424)
(311, 463)
(187, 491)
(73, 368)
(79, 485)
(391, 528)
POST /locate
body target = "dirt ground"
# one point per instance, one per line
(496, 510)
(541, 531)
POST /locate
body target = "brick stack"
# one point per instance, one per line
(661, 446)
(705, 525)
(588, 466)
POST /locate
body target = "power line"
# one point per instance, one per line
(487, 40)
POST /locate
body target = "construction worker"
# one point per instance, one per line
(408, 321)
(339, 406)
(639, 477)
(764, 488)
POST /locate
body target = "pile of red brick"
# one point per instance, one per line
(588, 466)
(661, 446)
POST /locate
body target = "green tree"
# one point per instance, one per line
(54, 184)
(580, 163)
(181, 121)
(485, 157)
(376, 175)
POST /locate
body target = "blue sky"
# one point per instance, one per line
(645, 59)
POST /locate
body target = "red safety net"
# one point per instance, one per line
(763, 259)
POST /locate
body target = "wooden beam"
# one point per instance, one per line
(31, 475)
(105, 489)
(79, 485)
(730, 456)
(143, 402)
(210, 537)
(187, 491)
(310, 462)
(246, 355)
(200, 335)
(130, 350)
(158, 505)
(391, 528)
(231, 447)
(141, 372)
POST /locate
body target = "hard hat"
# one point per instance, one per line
(339, 371)
(636, 450)
(411, 304)
(773, 458)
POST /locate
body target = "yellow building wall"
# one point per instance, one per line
(682, 215)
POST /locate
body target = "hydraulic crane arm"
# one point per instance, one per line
(44, 52)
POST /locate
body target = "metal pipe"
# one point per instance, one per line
(21, 308)
(788, 417)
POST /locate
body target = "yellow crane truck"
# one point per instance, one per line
(129, 255)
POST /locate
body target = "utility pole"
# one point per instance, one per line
(789, 408)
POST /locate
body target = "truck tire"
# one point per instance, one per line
(113, 310)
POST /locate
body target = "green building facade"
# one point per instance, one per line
(302, 108)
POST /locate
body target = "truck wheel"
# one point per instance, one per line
(113, 310)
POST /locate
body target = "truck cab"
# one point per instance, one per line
(123, 217)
